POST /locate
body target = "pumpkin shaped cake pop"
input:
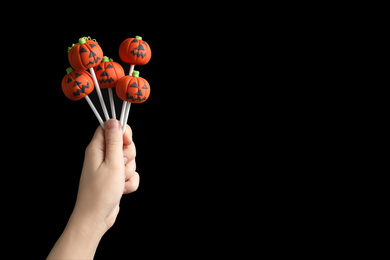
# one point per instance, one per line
(135, 51)
(133, 89)
(85, 54)
(108, 73)
(77, 84)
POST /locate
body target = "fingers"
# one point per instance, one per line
(129, 153)
(95, 150)
(129, 169)
(116, 148)
(98, 138)
(127, 136)
(114, 142)
(132, 184)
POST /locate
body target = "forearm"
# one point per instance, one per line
(79, 239)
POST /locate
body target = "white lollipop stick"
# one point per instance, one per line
(95, 111)
(131, 69)
(112, 103)
(126, 116)
(99, 94)
(123, 112)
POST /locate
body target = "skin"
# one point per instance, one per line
(108, 173)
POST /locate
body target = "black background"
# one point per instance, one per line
(231, 132)
(215, 140)
(177, 132)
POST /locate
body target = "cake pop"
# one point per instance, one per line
(132, 89)
(135, 51)
(108, 73)
(78, 84)
(87, 54)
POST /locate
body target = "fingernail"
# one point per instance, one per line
(112, 124)
(125, 160)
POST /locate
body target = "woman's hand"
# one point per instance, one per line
(108, 173)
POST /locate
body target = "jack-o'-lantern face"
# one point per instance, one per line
(85, 54)
(133, 89)
(77, 84)
(140, 50)
(138, 91)
(108, 73)
(135, 51)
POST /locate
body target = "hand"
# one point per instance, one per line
(108, 172)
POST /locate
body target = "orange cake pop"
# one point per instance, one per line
(87, 54)
(78, 84)
(135, 51)
(133, 88)
(108, 73)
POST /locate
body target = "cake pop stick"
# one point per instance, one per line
(87, 54)
(99, 94)
(112, 103)
(108, 73)
(131, 69)
(95, 111)
(126, 117)
(123, 112)
(132, 89)
(77, 84)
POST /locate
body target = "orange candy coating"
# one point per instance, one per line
(77, 84)
(108, 73)
(135, 51)
(85, 54)
(133, 89)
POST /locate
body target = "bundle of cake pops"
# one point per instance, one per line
(107, 74)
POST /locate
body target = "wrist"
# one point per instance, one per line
(87, 225)
(79, 239)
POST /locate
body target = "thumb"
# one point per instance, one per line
(114, 142)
